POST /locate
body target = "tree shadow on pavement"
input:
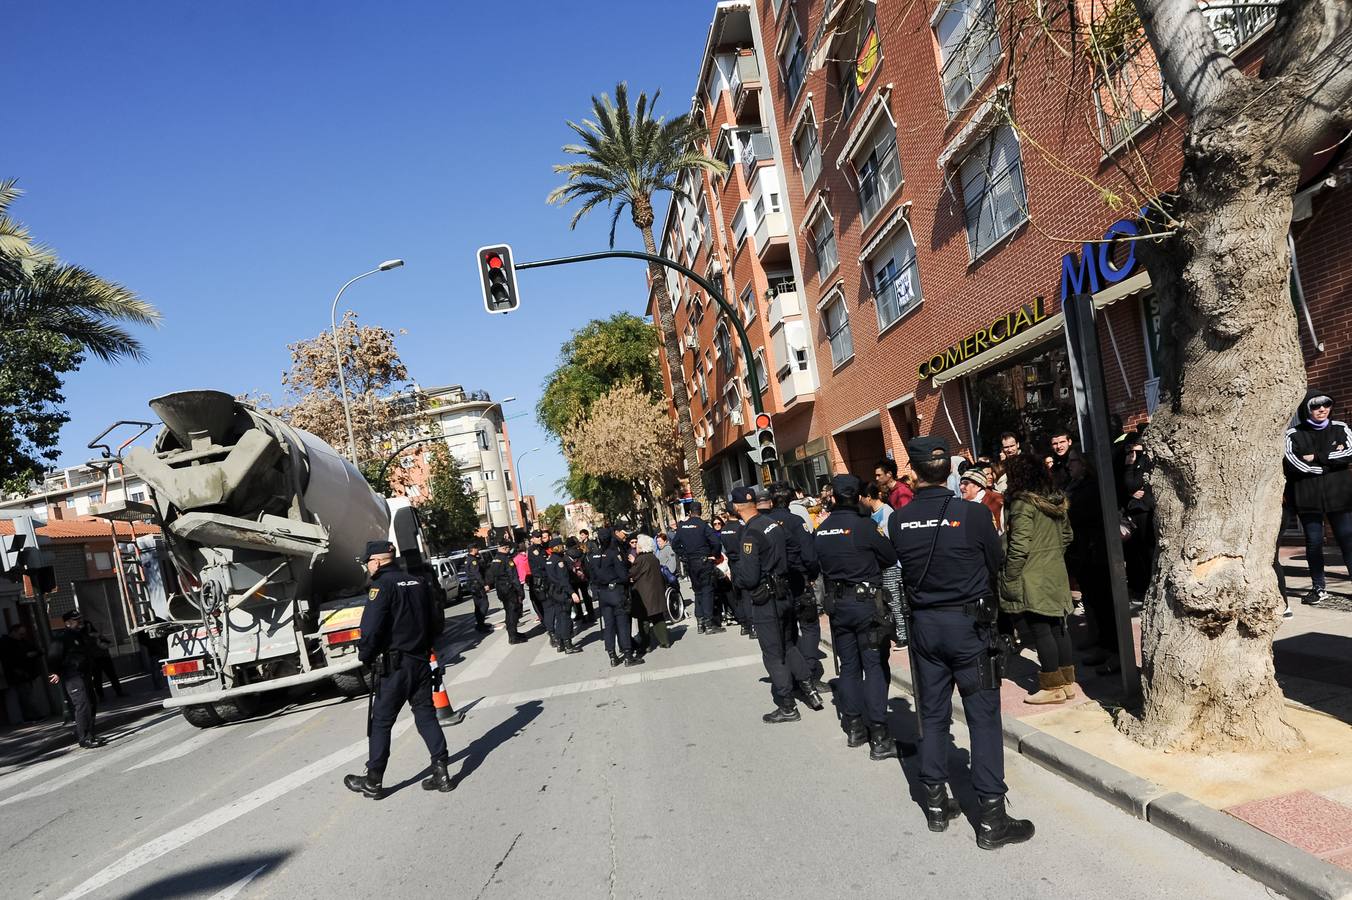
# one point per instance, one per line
(209, 879)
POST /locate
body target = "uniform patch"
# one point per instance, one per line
(373, 593)
(748, 547)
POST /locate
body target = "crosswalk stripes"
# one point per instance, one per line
(22, 773)
(183, 748)
(289, 720)
(547, 654)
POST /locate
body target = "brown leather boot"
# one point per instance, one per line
(1068, 681)
(1051, 692)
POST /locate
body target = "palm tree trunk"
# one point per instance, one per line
(671, 348)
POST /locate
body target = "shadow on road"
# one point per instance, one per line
(477, 750)
(211, 878)
(904, 726)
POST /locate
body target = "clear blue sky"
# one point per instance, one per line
(235, 163)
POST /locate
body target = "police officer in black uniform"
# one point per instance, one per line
(803, 571)
(70, 659)
(474, 579)
(949, 555)
(539, 594)
(559, 597)
(852, 554)
(502, 576)
(608, 573)
(730, 536)
(762, 573)
(698, 546)
(399, 625)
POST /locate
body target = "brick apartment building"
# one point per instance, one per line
(931, 244)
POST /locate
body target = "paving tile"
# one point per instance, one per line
(1343, 859)
(1313, 823)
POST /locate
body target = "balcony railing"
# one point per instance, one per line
(1236, 26)
(756, 150)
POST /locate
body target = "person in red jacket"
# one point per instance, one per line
(898, 493)
(1319, 483)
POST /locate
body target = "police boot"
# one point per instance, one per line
(554, 641)
(364, 784)
(782, 714)
(881, 744)
(940, 809)
(633, 659)
(614, 659)
(820, 686)
(856, 735)
(440, 779)
(745, 630)
(715, 628)
(567, 647)
(810, 696)
(995, 828)
(700, 627)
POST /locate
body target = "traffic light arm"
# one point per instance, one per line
(753, 377)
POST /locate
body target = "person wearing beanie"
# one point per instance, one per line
(1319, 483)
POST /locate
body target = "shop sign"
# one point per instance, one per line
(1094, 270)
(993, 335)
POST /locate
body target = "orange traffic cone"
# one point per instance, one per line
(446, 713)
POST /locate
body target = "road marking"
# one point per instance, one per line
(602, 684)
(168, 843)
(98, 760)
(486, 662)
(191, 745)
(547, 654)
(290, 720)
(20, 773)
(229, 892)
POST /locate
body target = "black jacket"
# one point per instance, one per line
(967, 554)
(606, 564)
(850, 548)
(802, 553)
(70, 653)
(558, 578)
(1324, 483)
(474, 573)
(401, 614)
(695, 539)
(764, 553)
(502, 576)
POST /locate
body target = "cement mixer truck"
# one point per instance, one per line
(264, 525)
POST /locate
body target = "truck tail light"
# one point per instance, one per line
(185, 667)
(346, 636)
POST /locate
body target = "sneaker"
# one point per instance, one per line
(1315, 597)
(1288, 613)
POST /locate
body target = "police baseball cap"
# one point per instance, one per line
(744, 494)
(71, 616)
(377, 548)
(535, 533)
(846, 488)
(925, 449)
(555, 543)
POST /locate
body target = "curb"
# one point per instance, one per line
(1267, 859)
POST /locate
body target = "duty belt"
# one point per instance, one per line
(862, 590)
(614, 584)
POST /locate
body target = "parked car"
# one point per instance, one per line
(451, 577)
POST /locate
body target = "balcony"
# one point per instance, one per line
(746, 89)
(783, 302)
(756, 149)
(796, 385)
(772, 233)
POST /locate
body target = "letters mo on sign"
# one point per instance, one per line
(1092, 271)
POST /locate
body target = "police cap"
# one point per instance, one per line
(71, 616)
(845, 488)
(377, 548)
(555, 543)
(925, 449)
(744, 494)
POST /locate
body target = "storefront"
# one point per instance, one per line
(808, 465)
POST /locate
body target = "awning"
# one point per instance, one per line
(1040, 332)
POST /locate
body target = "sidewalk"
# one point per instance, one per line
(1284, 819)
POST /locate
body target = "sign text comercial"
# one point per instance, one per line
(993, 335)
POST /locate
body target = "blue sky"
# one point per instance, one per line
(236, 162)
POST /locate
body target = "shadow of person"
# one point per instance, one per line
(474, 753)
(903, 724)
(208, 879)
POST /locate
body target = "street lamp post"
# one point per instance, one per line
(338, 353)
(521, 486)
(497, 449)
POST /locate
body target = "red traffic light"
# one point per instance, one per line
(762, 420)
(493, 260)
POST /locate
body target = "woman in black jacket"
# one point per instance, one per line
(1319, 483)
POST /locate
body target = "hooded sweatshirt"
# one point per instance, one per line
(1322, 483)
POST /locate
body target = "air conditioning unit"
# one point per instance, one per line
(735, 417)
(691, 342)
(715, 266)
(699, 441)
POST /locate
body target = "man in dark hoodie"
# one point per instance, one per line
(1319, 483)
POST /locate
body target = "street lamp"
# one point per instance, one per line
(338, 353)
(520, 488)
(497, 449)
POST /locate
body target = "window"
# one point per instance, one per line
(992, 189)
(969, 46)
(879, 171)
(723, 346)
(793, 64)
(748, 304)
(1129, 92)
(824, 246)
(696, 309)
(782, 283)
(413, 491)
(739, 225)
(490, 475)
(800, 358)
(708, 362)
(837, 322)
(848, 86)
(732, 399)
(896, 279)
(703, 384)
(103, 561)
(762, 378)
(138, 496)
(407, 462)
(808, 154)
(70, 502)
(704, 231)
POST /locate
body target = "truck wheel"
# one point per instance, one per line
(200, 716)
(352, 683)
(233, 710)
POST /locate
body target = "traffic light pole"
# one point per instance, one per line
(753, 377)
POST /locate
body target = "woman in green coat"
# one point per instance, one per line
(1034, 587)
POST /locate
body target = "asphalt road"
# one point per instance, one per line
(572, 779)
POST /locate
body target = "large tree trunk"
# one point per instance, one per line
(671, 348)
(1232, 376)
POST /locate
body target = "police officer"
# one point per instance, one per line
(698, 546)
(949, 555)
(803, 571)
(539, 595)
(852, 554)
(399, 625)
(762, 573)
(474, 579)
(559, 597)
(730, 536)
(70, 659)
(608, 573)
(502, 576)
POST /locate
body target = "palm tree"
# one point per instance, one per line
(39, 293)
(627, 157)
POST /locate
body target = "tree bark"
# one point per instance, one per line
(671, 349)
(1232, 374)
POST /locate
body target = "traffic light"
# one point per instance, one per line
(11, 555)
(763, 451)
(499, 279)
